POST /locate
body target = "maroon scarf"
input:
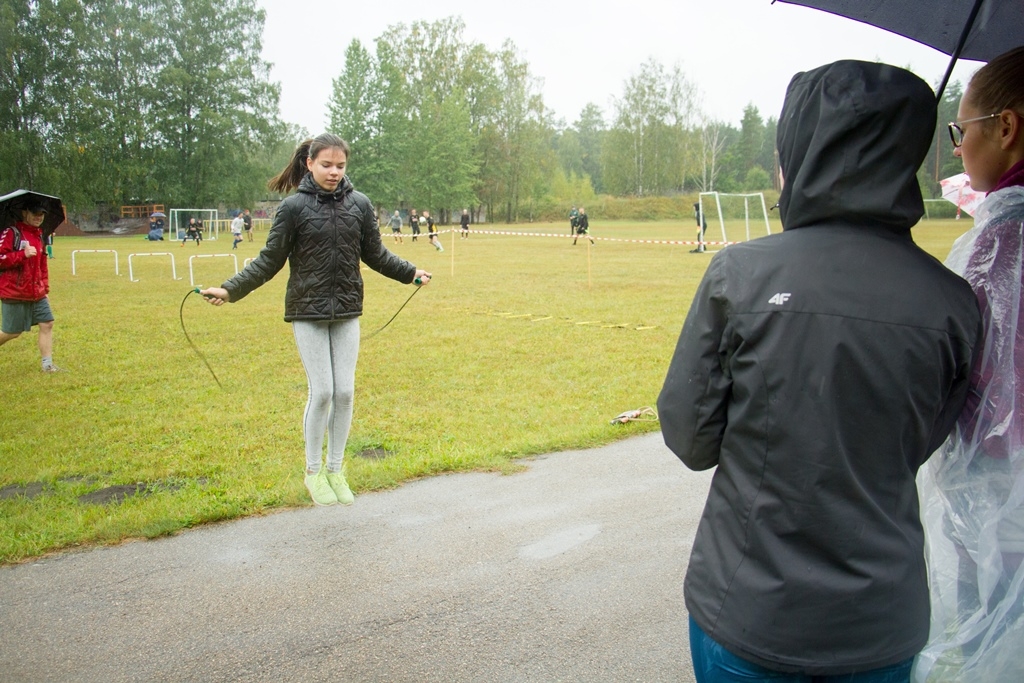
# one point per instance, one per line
(1015, 176)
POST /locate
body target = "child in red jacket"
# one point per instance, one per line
(25, 282)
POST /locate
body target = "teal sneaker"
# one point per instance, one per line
(319, 490)
(339, 486)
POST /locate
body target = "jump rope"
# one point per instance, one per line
(196, 290)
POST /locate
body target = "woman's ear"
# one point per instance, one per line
(1011, 130)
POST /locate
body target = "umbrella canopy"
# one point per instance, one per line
(12, 204)
(971, 29)
(957, 189)
(158, 214)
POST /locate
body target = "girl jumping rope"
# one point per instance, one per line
(322, 231)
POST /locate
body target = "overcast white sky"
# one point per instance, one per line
(737, 51)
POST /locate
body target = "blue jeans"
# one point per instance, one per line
(712, 663)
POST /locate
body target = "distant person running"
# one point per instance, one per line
(573, 220)
(464, 223)
(414, 223)
(247, 219)
(396, 227)
(237, 225)
(431, 231)
(582, 226)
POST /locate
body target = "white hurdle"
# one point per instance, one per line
(251, 259)
(191, 276)
(174, 270)
(117, 266)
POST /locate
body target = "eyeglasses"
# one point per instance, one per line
(956, 131)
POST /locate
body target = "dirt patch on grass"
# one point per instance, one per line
(373, 454)
(104, 496)
(29, 490)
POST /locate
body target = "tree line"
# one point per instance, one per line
(124, 101)
(438, 121)
(112, 102)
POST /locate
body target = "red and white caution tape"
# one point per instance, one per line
(601, 239)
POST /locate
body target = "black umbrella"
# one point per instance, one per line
(971, 29)
(11, 206)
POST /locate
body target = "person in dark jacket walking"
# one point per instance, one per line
(582, 226)
(322, 232)
(247, 220)
(414, 224)
(818, 369)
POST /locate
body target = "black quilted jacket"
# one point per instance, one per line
(323, 236)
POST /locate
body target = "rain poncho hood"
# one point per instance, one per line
(972, 491)
(850, 144)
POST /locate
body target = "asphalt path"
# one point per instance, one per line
(570, 570)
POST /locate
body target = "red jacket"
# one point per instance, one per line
(23, 278)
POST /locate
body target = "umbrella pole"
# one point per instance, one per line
(959, 48)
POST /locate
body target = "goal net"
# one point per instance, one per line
(738, 216)
(179, 220)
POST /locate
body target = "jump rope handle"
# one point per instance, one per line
(418, 281)
(197, 290)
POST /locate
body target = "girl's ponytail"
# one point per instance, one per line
(288, 179)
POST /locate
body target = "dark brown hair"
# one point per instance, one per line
(999, 84)
(288, 179)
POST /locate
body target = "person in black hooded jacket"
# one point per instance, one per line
(818, 369)
(322, 232)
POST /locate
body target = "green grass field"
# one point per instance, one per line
(531, 345)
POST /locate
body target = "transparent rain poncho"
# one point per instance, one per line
(972, 488)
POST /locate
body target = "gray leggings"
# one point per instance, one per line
(328, 351)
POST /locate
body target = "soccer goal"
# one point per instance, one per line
(179, 220)
(733, 212)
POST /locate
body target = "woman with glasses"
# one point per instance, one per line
(972, 490)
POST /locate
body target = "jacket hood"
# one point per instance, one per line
(308, 186)
(851, 138)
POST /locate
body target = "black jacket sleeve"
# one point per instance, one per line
(271, 258)
(693, 402)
